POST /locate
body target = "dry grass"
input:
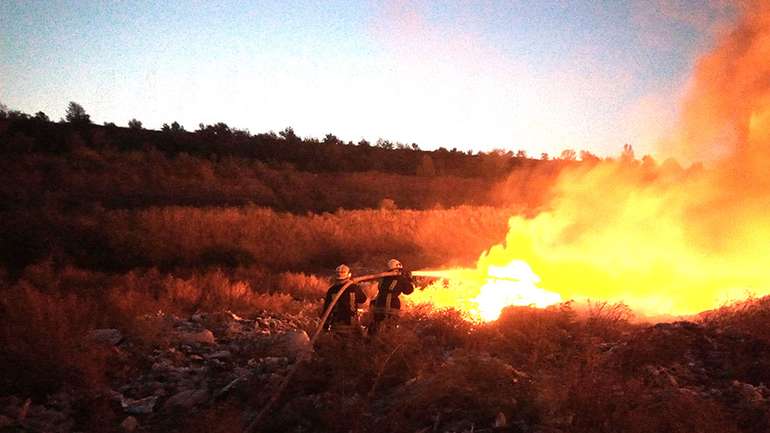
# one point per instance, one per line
(750, 317)
(42, 336)
(258, 236)
(556, 369)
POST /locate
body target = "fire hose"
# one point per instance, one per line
(277, 394)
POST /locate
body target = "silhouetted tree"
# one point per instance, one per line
(175, 127)
(544, 156)
(289, 135)
(76, 114)
(134, 124)
(219, 129)
(588, 156)
(521, 154)
(17, 115)
(568, 155)
(3, 111)
(627, 155)
(649, 162)
(42, 117)
(237, 132)
(331, 139)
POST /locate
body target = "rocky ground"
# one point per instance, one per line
(200, 361)
(219, 369)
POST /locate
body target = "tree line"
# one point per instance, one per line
(21, 132)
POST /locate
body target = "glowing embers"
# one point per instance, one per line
(482, 294)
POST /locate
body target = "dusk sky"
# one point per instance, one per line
(535, 75)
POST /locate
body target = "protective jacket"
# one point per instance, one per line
(388, 291)
(344, 312)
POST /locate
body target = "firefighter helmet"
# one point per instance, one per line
(342, 272)
(394, 264)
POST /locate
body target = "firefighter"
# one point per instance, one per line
(344, 316)
(386, 305)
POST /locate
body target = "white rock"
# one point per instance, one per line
(187, 399)
(296, 344)
(222, 354)
(500, 420)
(139, 407)
(205, 336)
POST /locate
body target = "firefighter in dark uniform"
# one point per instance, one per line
(386, 305)
(344, 316)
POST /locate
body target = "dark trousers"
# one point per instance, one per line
(383, 318)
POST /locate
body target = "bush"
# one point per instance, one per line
(534, 338)
(748, 317)
(44, 344)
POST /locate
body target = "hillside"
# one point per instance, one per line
(168, 281)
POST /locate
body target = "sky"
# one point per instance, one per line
(539, 76)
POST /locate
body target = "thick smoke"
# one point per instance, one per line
(726, 112)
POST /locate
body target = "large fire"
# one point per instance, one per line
(483, 294)
(663, 240)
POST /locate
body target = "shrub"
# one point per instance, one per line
(534, 337)
(746, 317)
(44, 344)
(608, 321)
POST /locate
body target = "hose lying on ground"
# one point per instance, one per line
(253, 425)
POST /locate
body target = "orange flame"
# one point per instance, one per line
(663, 240)
(483, 294)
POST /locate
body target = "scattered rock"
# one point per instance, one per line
(661, 376)
(269, 364)
(222, 354)
(111, 337)
(187, 399)
(296, 344)
(138, 407)
(748, 391)
(500, 420)
(129, 424)
(204, 336)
